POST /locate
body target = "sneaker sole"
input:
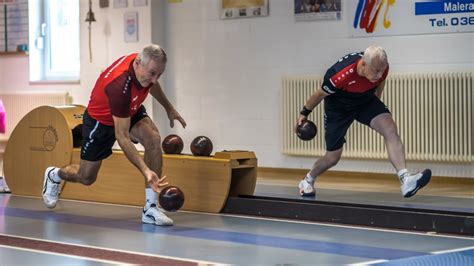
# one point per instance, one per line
(148, 220)
(45, 179)
(312, 194)
(151, 221)
(50, 206)
(423, 181)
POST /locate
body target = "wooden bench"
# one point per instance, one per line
(44, 138)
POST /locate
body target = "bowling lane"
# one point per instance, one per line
(211, 237)
(380, 198)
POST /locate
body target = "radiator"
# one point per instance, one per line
(18, 104)
(433, 112)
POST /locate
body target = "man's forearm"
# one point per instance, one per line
(159, 95)
(379, 90)
(315, 99)
(132, 154)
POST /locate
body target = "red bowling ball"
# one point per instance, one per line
(201, 146)
(172, 144)
(171, 198)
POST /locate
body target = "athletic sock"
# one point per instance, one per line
(401, 174)
(309, 179)
(54, 175)
(150, 197)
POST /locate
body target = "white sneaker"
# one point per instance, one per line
(411, 183)
(306, 189)
(156, 216)
(50, 189)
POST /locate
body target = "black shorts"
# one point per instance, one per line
(98, 139)
(337, 120)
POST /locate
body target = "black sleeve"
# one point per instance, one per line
(327, 85)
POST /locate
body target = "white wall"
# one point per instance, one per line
(224, 75)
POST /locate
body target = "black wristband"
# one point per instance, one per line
(305, 111)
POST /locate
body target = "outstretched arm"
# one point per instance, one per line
(315, 99)
(157, 92)
(122, 135)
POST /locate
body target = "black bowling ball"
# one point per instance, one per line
(171, 198)
(306, 130)
(201, 146)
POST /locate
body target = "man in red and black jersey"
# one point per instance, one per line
(351, 90)
(116, 112)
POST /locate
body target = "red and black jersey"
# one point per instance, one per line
(117, 92)
(346, 88)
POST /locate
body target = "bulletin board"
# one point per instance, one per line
(13, 26)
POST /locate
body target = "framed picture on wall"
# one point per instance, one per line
(140, 2)
(243, 8)
(120, 3)
(317, 10)
(130, 22)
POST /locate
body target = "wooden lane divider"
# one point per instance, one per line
(44, 138)
(205, 181)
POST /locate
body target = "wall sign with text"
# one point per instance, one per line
(396, 17)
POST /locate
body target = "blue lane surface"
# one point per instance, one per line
(362, 251)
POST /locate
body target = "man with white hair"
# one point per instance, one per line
(351, 90)
(116, 112)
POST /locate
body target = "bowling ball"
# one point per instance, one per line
(172, 144)
(171, 198)
(306, 130)
(201, 146)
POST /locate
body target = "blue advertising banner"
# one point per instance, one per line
(397, 17)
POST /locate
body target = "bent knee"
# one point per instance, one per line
(153, 143)
(88, 180)
(391, 132)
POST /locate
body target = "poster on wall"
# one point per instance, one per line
(393, 17)
(243, 8)
(120, 3)
(317, 10)
(131, 26)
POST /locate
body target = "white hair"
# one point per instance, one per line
(152, 52)
(375, 51)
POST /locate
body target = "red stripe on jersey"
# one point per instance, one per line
(349, 81)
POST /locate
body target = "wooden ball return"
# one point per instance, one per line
(44, 138)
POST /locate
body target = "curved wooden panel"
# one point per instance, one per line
(42, 138)
(118, 182)
(205, 181)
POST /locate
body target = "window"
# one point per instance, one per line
(54, 40)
